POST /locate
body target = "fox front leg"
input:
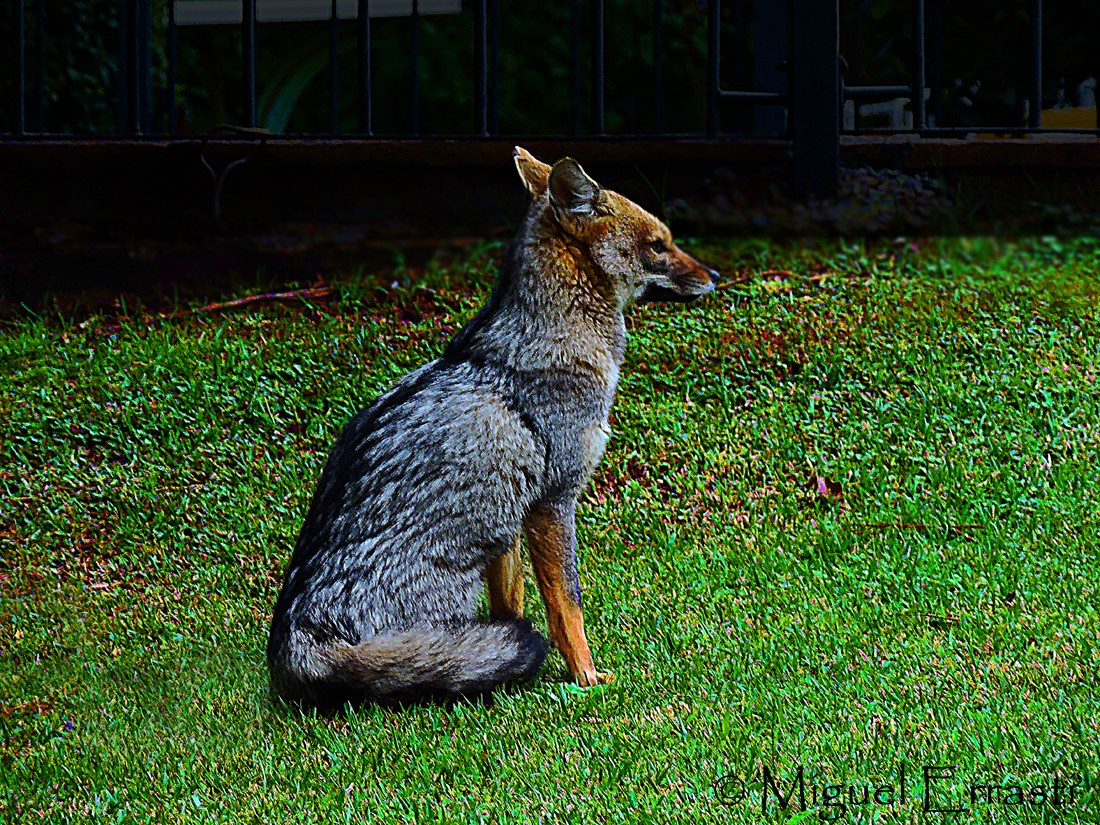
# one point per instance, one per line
(552, 538)
(504, 581)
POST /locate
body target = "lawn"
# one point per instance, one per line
(847, 523)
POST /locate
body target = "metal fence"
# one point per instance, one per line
(801, 38)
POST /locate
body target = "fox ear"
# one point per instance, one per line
(532, 171)
(571, 190)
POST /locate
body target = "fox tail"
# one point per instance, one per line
(422, 663)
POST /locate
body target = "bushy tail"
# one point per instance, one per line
(425, 663)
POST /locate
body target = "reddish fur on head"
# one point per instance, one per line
(629, 246)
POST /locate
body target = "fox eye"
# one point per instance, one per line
(658, 246)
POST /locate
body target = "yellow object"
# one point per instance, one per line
(1076, 118)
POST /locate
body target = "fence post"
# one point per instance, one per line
(40, 75)
(658, 69)
(124, 72)
(936, 82)
(598, 41)
(1035, 107)
(20, 67)
(575, 66)
(362, 39)
(816, 106)
(920, 115)
(248, 60)
(144, 68)
(173, 57)
(334, 68)
(415, 68)
(494, 67)
(481, 60)
(771, 42)
(135, 100)
(714, 65)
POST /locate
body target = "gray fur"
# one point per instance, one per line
(433, 482)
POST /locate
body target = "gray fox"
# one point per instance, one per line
(427, 491)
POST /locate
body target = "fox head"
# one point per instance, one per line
(631, 250)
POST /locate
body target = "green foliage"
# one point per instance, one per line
(847, 521)
(81, 45)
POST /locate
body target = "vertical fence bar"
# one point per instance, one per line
(658, 70)
(334, 70)
(936, 81)
(598, 125)
(173, 49)
(416, 68)
(362, 31)
(143, 65)
(919, 115)
(494, 68)
(1035, 107)
(133, 96)
(714, 57)
(20, 68)
(481, 59)
(248, 60)
(855, 58)
(770, 29)
(575, 66)
(133, 66)
(816, 70)
(40, 77)
(736, 58)
(124, 67)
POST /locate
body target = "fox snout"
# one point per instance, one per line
(688, 280)
(713, 276)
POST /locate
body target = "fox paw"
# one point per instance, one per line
(591, 678)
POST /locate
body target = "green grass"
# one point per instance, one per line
(848, 521)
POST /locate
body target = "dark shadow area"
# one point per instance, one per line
(175, 223)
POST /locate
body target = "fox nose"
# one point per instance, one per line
(714, 276)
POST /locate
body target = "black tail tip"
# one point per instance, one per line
(532, 652)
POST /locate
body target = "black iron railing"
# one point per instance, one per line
(818, 106)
